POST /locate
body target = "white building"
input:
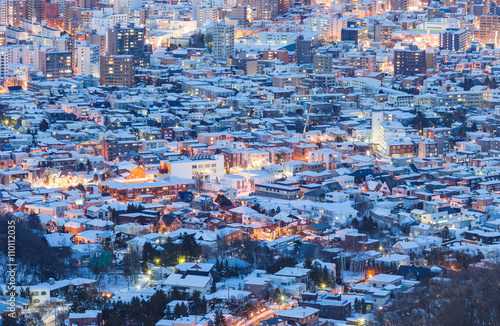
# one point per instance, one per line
(204, 167)
(334, 212)
(345, 181)
(465, 98)
(223, 36)
(187, 284)
(86, 55)
(382, 280)
(276, 38)
(105, 19)
(325, 155)
(207, 16)
(5, 55)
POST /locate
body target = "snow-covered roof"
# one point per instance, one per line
(59, 239)
(187, 281)
(299, 312)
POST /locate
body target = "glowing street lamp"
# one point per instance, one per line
(282, 299)
(158, 262)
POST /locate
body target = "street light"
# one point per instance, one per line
(158, 262)
(282, 299)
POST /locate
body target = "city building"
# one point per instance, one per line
(409, 62)
(223, 40)
(128, 41)
(117, 70)
(322, 63)
(207, 168)
(489, 27)
(56, 64)
(454, 39)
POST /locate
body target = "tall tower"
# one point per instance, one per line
(12, 12)
(35, 10)
(223, 41)
(283, 6)
(128, 41)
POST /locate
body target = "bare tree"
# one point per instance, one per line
(131, 266)
(198, 183)
(469, 297)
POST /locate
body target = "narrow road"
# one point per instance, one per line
(255, 320)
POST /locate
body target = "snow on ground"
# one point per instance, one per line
(233, 283)
(117, 284)
(352, 297)
(128, 295)
(352, 277)
(113, 282)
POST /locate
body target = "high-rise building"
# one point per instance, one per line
(50, 10)
(430, 59)
(409, 62)
(383, 33)
(266, 9)
(13, 12)
(207, 16)
(148, 13)
(35, 10)
(240, 14)
(128, 41)
(117, 70)
(99, 39)
(322, 63)
(72, 16)
(104, 19)
(223, 37)
(125, 6)
(87, 54)
(56, 64)
(454, 39)
(480, 7)
(283, 7)
(374, 7)
(87, 4)
(427, 148)
(434, 12)
(489, 29)
(400, 5)
(4, 62)
(358, 34)
(360, 60)
(67, 44)
(3, 38)
(304, 49)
